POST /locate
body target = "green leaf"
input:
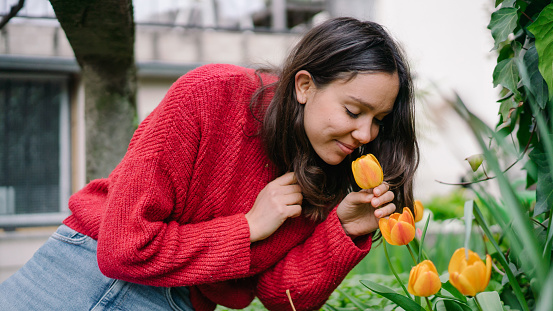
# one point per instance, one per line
(353, 300)
(532, 78)
(422, 239)
(475, 161)
(506, 108)
(388, 293)
(468, 225)
(502, 260)
(503, 23)
(506, 74)
(453, 291)
(544, 191)
(542, 29)
(489, 301)
(531, 173)
(545, 300)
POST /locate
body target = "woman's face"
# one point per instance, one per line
(344, 115)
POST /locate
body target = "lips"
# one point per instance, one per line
(347, 149)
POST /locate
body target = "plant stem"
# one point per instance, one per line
(412, 255)
(428, 305)
(394, 271)
(478, 304)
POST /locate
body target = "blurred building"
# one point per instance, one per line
(42, 153)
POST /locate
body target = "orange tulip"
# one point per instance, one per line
(398, 229)
(424, 280)
(367, 171)
(469, 276)
(419, 210)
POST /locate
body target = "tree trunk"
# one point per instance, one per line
(101, 33)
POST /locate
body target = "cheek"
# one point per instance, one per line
(374, 131)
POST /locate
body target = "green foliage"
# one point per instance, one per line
(449, 206)
(542, 29)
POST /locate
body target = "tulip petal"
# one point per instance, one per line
(476, 276)
(402, 233)
(462, 284)
(458, 261)
(407, 216)
(424, 280)
(367, 171)
(488, 269)
(419, 210)
(429, 266)
(427, 284)
(383, 224)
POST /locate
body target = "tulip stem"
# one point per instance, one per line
(477, 303)
(394, 271)
(411, 252)
(428, 304)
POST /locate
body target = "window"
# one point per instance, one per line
(34, 150)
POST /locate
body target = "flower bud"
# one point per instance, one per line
(367, 171)
(470, 276)
(398, 229)
(424, 280)
(419, 210)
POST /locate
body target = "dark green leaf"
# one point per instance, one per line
(506, 74)
(388, 293)
(502, 23)
(532, 78)
(453, 291)
(542, 29)
(544, 191)
(531, 172)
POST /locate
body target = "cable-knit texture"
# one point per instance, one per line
(172, 213)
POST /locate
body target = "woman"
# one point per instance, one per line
(239, 185)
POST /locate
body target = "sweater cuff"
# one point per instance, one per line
(342, 242)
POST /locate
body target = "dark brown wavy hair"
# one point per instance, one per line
(339, 49)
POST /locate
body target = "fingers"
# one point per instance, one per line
(293, 199)
(385, 211)
(387, 197)
(381, 189)
(294, 211)
(286, 179)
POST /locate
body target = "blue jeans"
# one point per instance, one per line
(64, 275)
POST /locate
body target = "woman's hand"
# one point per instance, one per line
(359, 212)
(279, 200)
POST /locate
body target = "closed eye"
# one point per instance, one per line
(351, 114)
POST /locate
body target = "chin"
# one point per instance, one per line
(333, 160)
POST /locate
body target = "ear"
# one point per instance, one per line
(303, 83)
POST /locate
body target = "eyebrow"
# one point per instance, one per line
(366, 104)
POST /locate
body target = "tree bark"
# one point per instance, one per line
(102, 34)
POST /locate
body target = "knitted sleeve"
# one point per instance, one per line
(312, 270)
(145, 234)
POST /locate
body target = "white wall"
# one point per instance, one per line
(448, 45)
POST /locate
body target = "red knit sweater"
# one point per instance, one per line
(172, 213)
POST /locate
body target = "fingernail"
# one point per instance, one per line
(378, 214)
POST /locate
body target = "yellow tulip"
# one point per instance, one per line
(419, 210)
(424, 280)
(398, 229)
(367, 171)
(469, 276)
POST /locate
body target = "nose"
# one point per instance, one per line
(362, 133)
